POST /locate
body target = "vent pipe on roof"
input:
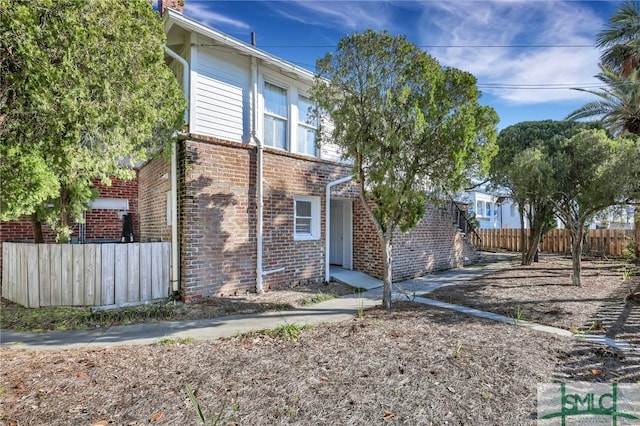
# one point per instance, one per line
(253, 38)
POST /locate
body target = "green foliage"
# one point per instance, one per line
(408, 123)
(590, 173)
(621, 40)
(196, 406)
(522, 168)
(287, 331)
(619, 105)
(320, 297)
(85, 94)
(173, 341)
(18, 318)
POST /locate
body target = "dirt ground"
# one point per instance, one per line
(412, 365)
(543, 293)
(251, 303)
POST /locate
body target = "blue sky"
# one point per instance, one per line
(526, 55)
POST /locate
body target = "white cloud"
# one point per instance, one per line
(201, 12)
(350, 15)
(504, 25)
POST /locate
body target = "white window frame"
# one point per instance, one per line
(287, 119)
(480, 208)
(315, 218)
(306, 126)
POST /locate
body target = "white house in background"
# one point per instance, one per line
(491, 210)
(495, 211)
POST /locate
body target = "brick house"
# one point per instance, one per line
(103, 223)
(253, 190)
(248, 200)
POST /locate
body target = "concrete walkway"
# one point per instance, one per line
(340, 309)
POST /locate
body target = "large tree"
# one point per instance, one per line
(519, 167)
(619, 104)
(85, 94)
(589, 172)
(620, 40)
(408, 123)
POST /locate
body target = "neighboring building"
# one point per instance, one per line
(496, 211)
(491, 210)
(249, 201)
(103, 223)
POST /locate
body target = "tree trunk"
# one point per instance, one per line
(636, 224)
(388, 273)
(63, 231)
(36, 226)
(576, 254)
(534, 240)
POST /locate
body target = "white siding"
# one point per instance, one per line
(220, 103)
(329, 151)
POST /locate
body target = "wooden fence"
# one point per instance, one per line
(604, 242)
(35, 275)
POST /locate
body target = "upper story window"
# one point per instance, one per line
(489, 209)
(307, 126)
(276, 116)
(480, 209)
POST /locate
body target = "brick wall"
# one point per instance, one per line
(105, 223)
(435, 244)
(154, 183)
(100, 223)
(218, 217)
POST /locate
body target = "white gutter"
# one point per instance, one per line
(327, 222)
(175, 256)
(259, 178)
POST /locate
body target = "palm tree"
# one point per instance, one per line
(621, 40)
(619, 105)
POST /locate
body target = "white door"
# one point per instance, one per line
(336, 236)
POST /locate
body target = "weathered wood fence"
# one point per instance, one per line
(35, 275)
(607, 242)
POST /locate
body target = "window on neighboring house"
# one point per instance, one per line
(306, 224)
(512, 210)
(489, 209)
(480, 210)
(307, 126)
(275, 116)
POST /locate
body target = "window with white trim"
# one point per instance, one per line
(307, 126)
(480, 209)
(306, 222)
(276, 116)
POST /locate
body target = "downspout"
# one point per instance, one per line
(175, 252)
(259, 178)
(327, 222)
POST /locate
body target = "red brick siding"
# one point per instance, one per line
(106, 224)
(435, 244)
(154, 182)
(218, 218)
(100, 223)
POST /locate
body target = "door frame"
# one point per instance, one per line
(347, 230)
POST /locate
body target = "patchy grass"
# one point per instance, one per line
(288, 331)
(317, 298)
(174, 341)
(19, 318)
